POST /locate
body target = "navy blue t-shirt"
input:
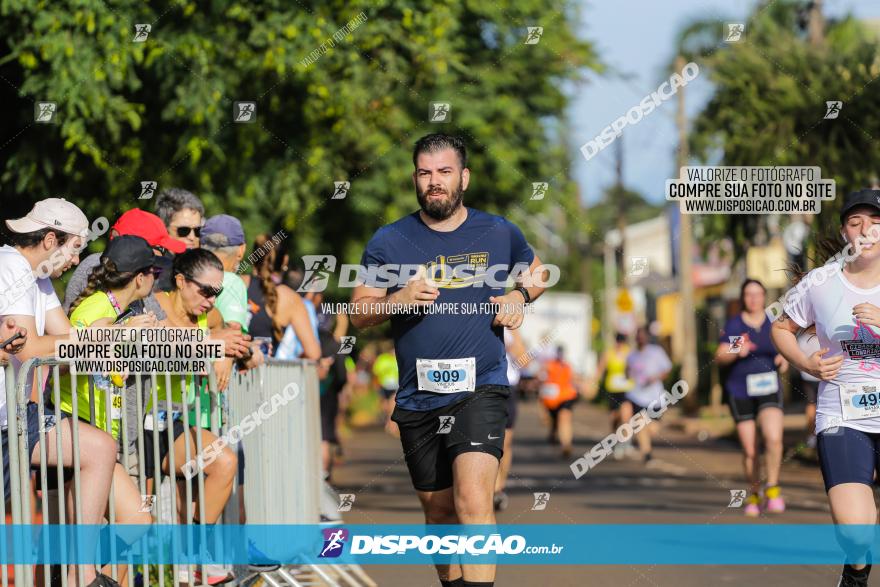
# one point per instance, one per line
(759, 360)
(482, 241)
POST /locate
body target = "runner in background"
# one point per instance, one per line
(332, 376)
(612, 371)
(808, 342)
(517, 358)
(842, 300)
(754, 394)
(386, 375)
(559, 394)
(648, 365)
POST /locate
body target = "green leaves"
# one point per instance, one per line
(163, 109)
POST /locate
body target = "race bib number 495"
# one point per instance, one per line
(447, 375)
(859, 401)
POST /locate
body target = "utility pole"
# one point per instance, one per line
(620, 205)
(685, 275)
(815, 24)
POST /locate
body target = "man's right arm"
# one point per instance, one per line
(369, 306)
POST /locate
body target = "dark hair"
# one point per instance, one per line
(191, 262)
(439, 141)
(742, 290)
(620, 337)
(28, 240)
(173, 200)
(294, 278)
(104, 277)
(263, 268)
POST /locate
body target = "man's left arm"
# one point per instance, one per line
(512, 310)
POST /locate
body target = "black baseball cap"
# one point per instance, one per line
(130, 253)
(867, 197)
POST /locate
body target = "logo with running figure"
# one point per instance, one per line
(864, 347)
(317, 273)
(334, 540)
(737, 497)
(446, 423)
(346, 500)
(541, 501)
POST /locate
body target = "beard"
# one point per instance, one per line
(443, 208)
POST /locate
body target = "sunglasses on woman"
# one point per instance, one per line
(206, 291)
(154, 271)
(183, 231)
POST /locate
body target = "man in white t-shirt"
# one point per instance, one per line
(44, 244)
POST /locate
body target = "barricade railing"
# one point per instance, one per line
(282, 452)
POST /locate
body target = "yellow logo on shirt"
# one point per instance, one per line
(456, 271)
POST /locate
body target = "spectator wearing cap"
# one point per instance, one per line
(224, 236)
(50, 235)
(148, 226)
(183, 215)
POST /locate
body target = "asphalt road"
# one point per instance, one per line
(688, 482)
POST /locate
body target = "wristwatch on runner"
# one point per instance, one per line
(525, 294)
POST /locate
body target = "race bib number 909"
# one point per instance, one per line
(446, 375)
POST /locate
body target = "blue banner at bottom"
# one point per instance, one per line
(417, 544)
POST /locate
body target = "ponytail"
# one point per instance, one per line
(103, 277)
(263, 270)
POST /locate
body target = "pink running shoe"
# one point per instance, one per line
(775, 503)
(753, 506)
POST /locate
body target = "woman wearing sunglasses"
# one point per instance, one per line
(183, 214)
(126, 273)
(197, 278)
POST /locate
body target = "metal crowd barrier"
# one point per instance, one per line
(282, 476)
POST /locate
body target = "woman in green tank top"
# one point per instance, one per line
(197, 280)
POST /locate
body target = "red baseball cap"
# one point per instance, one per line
(149, 227)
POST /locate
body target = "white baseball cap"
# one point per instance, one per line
(55, 213)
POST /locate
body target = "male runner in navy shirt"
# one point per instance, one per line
(451, 363)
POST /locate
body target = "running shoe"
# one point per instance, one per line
(500, 501)
(853, 578)
(753, 506)
(217, 575)
(259, 562)
(619, 451)
(775, 504)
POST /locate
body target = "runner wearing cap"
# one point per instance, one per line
(50, 236)
(842, 300)
(754, 394)
(451, 365)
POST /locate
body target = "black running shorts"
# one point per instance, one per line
(432, 439)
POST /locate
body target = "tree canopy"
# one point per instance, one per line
(342, 91)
